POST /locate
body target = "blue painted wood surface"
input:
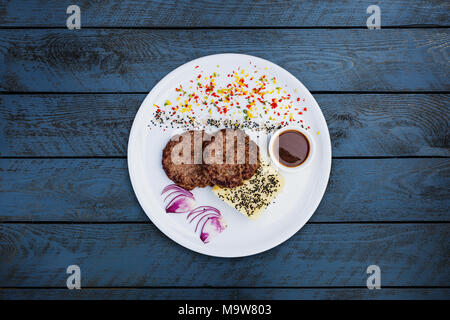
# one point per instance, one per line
(126, 60)
(230, 13)
(139, 255)
(67, 100)
(230, 293)
(98, 190)
(359, 124)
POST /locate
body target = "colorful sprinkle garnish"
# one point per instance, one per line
(242, 98)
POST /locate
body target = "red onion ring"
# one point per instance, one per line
(175, 187)
(181, 200)
(209, 217)
(203, 209)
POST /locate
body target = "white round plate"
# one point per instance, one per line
(292, 208)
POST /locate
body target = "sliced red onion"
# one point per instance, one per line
(207, 216)
(211, 228)
(172, 187)
(213, 223)
(181, 200)
(202, 210)
(180, 204)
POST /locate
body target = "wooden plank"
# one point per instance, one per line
(359, 124)
(320, 255)
(231, 13)
(229, 293)
(67, 125)
(135, 60)
(359, 190)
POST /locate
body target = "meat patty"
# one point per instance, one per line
(230, 157)
(182, 160)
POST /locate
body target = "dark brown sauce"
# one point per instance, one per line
(293, 148)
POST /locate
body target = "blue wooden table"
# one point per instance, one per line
(68, 99)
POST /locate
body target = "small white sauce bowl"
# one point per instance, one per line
(274, 159)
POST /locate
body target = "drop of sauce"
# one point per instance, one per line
(293, 148)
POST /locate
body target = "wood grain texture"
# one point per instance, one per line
(136, 255)
(135, 60)
(67, 125)
(368, 212)
(359, 124)
(229, 293)
(231, 13)
(99, 190)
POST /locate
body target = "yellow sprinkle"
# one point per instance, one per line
(318, 132)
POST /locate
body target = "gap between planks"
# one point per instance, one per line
(62, 222)
(231, 287)
(146, 92)
(413, 26)
(125, 157)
